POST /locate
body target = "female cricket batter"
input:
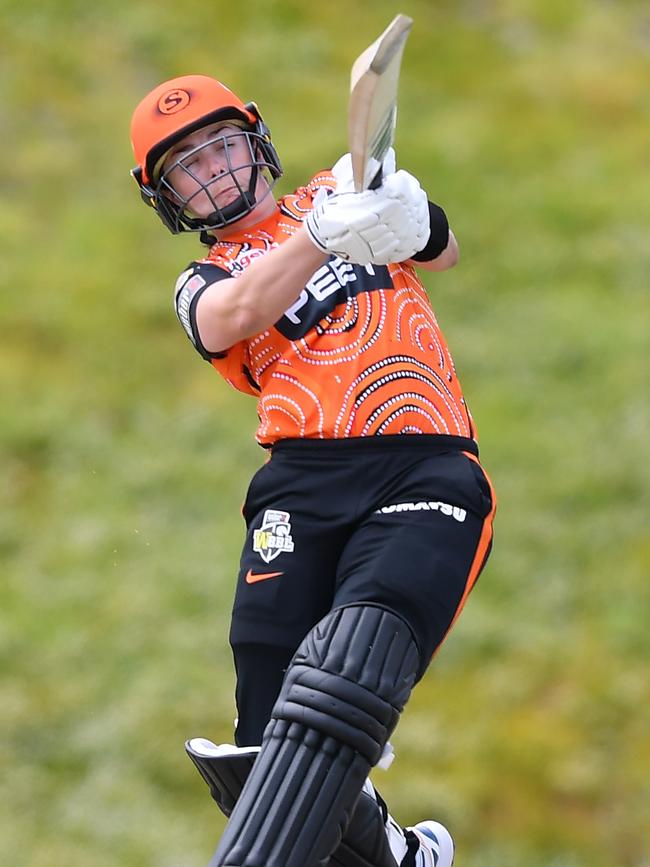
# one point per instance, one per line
(371, 521)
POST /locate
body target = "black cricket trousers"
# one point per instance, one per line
(404, 522)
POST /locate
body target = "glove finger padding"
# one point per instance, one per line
(402, 185)
(404, 213)
(357, 215)
(407, 190)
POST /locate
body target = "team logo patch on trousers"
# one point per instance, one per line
(274, 536)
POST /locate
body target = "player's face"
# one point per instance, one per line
(214, 160)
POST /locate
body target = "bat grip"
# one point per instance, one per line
(376, 181)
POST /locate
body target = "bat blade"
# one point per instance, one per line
(372, 111)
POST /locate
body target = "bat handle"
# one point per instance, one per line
(376, 181)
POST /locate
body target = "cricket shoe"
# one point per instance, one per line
(436, 845)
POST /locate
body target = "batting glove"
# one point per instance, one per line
(406, 189)
(389, 224)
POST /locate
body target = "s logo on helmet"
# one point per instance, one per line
(173, 101)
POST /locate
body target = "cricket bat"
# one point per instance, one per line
(372, 112)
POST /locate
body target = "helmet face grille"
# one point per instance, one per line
(253, 180)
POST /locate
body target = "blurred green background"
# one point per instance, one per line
(125, 458)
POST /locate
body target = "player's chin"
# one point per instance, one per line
(227, 198)
(203, 205)
(217, 200)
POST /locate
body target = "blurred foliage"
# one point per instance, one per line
(125, 458)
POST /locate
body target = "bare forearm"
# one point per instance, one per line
(231, 310)
(445, 260)
(275, 281)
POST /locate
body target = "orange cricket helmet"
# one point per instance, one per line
(177, 108)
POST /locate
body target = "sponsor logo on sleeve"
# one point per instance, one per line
(244, 258)
(187, 285)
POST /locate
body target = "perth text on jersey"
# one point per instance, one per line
(425, 506)
(333, 283)
(274, 536)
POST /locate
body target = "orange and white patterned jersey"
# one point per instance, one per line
(359, 353)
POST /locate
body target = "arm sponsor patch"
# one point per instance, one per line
(191, 284)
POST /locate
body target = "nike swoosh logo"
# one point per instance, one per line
(253, 577)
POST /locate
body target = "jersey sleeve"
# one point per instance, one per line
(190, 285)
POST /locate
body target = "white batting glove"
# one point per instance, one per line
(389, 224)
(406, 188)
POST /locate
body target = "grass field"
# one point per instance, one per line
(125, 458)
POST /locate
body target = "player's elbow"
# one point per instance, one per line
(451, 254)
(248, 320)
